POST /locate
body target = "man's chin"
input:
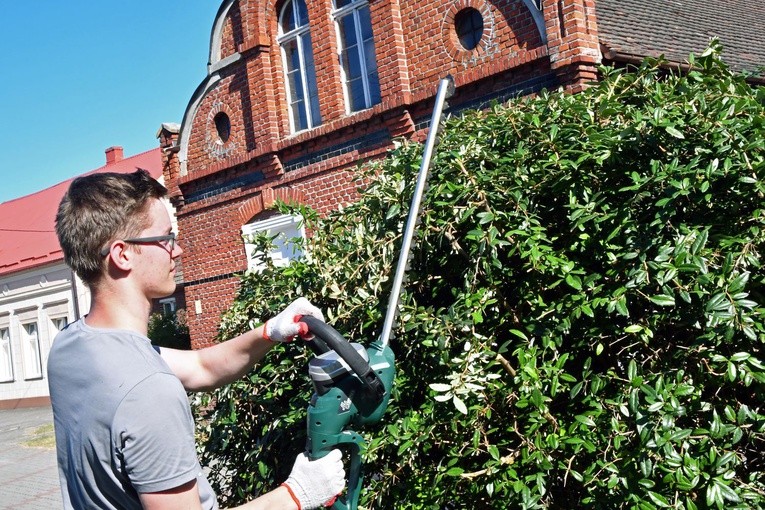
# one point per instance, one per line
(167, 292)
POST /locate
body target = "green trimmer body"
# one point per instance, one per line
(352, 387)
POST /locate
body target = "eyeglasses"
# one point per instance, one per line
(169, 239)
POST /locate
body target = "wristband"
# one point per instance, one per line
(292, 495)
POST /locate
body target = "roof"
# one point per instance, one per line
(27, 224)
(675, 28)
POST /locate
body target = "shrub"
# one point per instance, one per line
(169, 330)
(582, 325)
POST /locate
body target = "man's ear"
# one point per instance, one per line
(120, 256)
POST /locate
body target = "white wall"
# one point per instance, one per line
(34, 301)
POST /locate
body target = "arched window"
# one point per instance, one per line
(283, 229)
(357, 53)
(299, 70)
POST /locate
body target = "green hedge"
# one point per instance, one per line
(582, 325)
(169, 330)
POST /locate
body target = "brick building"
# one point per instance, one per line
(299, 91)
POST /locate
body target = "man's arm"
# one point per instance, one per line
(311, 484)
(220, 364)
(186, 497)
(214, 366)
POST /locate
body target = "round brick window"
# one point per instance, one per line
(219, 136)
(222, 127)
(468, 23)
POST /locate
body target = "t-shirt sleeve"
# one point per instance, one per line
(154, 435)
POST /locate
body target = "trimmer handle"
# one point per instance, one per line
(329, 339)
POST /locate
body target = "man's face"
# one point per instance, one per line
(155, 265)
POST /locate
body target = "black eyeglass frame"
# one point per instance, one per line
(145, 240)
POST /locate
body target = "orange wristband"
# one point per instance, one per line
(292, 495)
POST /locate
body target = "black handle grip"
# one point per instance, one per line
(334, 341)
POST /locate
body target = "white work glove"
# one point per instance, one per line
(316, 483)
(285, 326)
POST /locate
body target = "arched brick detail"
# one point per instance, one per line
(266, 200)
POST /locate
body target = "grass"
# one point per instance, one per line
(41, 437)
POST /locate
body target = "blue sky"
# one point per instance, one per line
(80, 76)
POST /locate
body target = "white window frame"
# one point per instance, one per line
(6, 355)
(168, 306)
(287, 227)
(30, 345)
(353, 9)
(301, 36)
(56, 322)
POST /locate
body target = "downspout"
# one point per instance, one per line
(75, 299)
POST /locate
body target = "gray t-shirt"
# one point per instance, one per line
(122, 419)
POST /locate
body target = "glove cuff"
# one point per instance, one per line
(292, 495)
(265, 333)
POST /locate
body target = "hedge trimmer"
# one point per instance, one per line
(352, 384)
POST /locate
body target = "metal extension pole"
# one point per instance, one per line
(445, 89)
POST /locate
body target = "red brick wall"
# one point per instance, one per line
(415, 46)
(573, 40)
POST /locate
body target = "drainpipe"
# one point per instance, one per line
(75, 299)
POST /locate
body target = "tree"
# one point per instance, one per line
(582, 325)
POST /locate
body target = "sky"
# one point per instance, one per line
(81, 76)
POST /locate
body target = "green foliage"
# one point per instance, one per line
(582, 325)
(169, 330)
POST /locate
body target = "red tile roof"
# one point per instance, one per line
(27, 224)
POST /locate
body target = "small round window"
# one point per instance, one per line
(469, 26)
(222, 127)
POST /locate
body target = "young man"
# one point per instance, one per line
(124, 428)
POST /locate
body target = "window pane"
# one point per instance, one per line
(284, 229)
(352, 64)
(6, 361)
(294, 15)
(299, 117)
(342, 3)
(32, 361)
(374, 89)
(348, 31)
(295, 84)
(297, 99)
(469, 26)
(168, 307)
(291, 55)
(287, 21)
(302, 13)
(356, 90)
(369, 56)
(365, 20)
(310, 75)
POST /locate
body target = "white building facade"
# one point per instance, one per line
(34, 306)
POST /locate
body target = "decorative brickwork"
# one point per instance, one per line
(219, 185)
